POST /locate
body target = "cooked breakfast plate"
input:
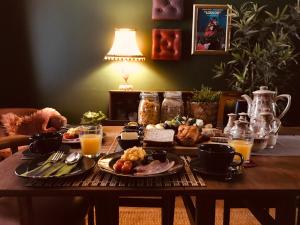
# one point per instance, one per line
(71, 136)
(70, 141)
(153, 168)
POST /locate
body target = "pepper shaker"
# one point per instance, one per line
(230, 124)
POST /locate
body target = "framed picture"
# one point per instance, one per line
(211, 29)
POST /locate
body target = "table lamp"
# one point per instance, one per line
(125, 49)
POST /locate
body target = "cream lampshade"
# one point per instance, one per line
(125, 49)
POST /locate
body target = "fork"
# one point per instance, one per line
(57, 156)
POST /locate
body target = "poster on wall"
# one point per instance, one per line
(211, 29)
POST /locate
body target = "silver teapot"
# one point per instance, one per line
(264, 100)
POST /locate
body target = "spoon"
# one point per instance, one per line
(74, 157)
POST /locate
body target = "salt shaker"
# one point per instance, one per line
(243, 116)
(230, 124)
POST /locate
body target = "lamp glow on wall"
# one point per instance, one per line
(125, 49)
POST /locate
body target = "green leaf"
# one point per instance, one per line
(250, 19)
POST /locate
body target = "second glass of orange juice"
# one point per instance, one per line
(241, 138)
(243, 147)
(91, 141)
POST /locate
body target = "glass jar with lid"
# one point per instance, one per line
(172, 105)
(149, 108)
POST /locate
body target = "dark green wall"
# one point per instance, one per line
(62, 43)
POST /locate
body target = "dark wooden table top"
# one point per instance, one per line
(271, 175)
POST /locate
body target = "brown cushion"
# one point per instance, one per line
(46, 210)
(166, 44)
(167, 9)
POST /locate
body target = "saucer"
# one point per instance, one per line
(228, 175)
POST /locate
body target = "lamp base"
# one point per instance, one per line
(126, 87)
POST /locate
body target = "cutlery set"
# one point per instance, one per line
(57, 164)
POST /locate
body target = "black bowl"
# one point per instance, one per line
(125, 144)
(130, 128)
(160, 155)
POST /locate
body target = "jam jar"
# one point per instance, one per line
(172, 105)
(149, 108)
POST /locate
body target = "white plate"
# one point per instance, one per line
(71, 141)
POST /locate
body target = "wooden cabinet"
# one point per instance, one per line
(123, 105)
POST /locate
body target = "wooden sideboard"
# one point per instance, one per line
(123, 105)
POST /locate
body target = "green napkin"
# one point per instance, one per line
(65, 169)
(45, 165)
(47, 168)
(53, 169)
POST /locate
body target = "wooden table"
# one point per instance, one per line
(274, 182)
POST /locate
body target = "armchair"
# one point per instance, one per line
(18, 124)
(9, 143)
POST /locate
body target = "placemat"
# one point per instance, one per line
(287, 145)
(99, 178)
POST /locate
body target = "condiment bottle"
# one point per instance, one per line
(149, 108)
(172, 105)
(243, 116)
(230, 124)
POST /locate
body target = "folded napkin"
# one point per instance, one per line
(47, 168)
(66, 169)
(58, 169)
(45, 165)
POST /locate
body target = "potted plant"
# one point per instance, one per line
(262, 48)
(204, 104)
(92, 118)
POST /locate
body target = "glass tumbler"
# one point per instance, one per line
(241, 139)
(91, 140)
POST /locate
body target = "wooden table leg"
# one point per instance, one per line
(226, 212)
(189, 207)
(107, 210)
(286, 211)
(168, 208)
(25, 209)
(205, 210)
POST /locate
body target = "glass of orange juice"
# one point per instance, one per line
(241, 138)
(91, 140)
(242, 146)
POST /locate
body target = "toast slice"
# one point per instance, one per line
(159, 137)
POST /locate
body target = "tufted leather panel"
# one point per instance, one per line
(167, 9)
(166, 44)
